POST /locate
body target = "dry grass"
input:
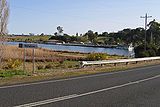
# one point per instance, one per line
(13, 52)
(42, 56)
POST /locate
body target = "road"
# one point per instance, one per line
(138, 87)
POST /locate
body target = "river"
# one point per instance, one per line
(111, 51)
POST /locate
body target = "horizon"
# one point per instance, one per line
(71, 34)
(39, 16)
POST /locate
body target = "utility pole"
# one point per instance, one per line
(146, 19)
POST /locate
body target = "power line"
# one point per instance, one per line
(146, 20)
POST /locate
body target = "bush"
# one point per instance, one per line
(39, 67)
(13, 63)
(69, 64)
(49, 66)
(151, 51)
(143, 54)
(29, 40)
(96, 56)
(158, 52)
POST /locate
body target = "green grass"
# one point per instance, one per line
(69, 64)
(30, 38)
(12, 73)
(54, 66)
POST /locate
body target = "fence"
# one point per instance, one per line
(85, 63)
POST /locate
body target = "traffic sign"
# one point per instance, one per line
(28, 45)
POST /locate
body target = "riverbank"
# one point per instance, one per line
(76, 44)
(80, 49)
(72, 44)
(45, 40)
(84, 45)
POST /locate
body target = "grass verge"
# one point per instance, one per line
(11, 73)
(22, 77)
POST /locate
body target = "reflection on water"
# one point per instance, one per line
(111, 51)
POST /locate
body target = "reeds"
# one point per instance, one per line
(13, 52)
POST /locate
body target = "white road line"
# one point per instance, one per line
(84, 94)
(74, 78)
(47, 101)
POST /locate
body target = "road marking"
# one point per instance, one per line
(76, 78)
(49, 101)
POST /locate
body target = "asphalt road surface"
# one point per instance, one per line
(138, 87)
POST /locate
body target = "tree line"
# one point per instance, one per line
(124, 37)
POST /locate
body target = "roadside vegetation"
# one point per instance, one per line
(18, 76)
(62, 65)
(45, 60)
(102, 56)
(13, 73)
(151, 51)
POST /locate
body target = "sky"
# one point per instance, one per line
(79, 16)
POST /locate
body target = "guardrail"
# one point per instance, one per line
(85, 63)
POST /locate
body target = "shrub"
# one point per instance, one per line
(61, 62)
(64, 65)
(69, 64)
(143, 54)
(29, 40)
(39, 67)
(49, 66)
(151, 51)
(13, 63)
(158, 52)
(96, 56)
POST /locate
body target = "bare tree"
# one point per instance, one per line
(4, 14)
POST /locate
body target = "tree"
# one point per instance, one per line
(42, 34)
(104, 34)
(154, 32)
(60, 31)
(92, 36)
(4, 14)
(150, 52)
